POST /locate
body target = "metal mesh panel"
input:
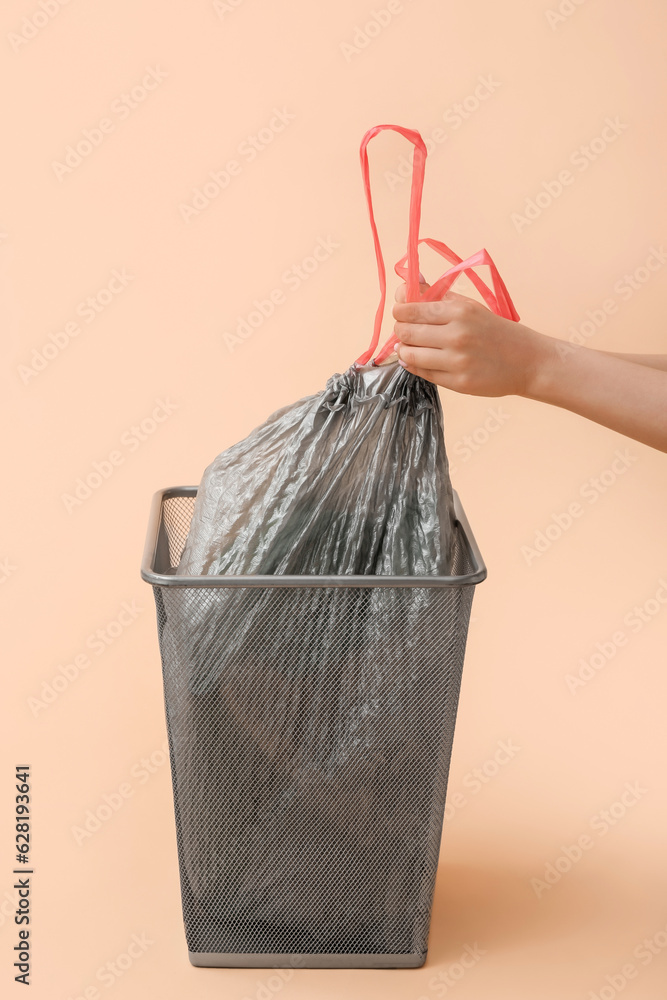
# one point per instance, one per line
(310, 732)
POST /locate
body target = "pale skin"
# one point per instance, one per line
(460, 344)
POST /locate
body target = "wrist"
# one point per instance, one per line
(545, 359)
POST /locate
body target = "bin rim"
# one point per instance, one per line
(149, 574)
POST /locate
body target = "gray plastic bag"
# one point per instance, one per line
(303, 747)
(353, 479)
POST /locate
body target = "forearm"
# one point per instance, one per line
(651, 360)
(460, 344)
(621, 394)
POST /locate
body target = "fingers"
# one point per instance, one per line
(420, 357)
(453, 306)
(431, 375)
(421, 312)
(400, 291)
(457, 382)
(420, 334)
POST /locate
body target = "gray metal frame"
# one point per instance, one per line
(156, 557)
(158, 570)
(309, 960)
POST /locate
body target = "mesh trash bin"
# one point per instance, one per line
(309, 801)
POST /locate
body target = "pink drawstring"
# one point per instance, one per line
(498, 300)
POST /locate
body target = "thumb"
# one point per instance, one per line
(400, 291)
(457, 297)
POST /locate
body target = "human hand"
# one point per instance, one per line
(458, 343)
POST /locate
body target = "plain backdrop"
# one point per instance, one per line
(124, 269)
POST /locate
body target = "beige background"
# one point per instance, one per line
(217, 77)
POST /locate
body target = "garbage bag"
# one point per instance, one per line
(353, 479)
(309, 766)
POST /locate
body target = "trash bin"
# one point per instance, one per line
(310, 723)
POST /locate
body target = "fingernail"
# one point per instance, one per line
(402, 363)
